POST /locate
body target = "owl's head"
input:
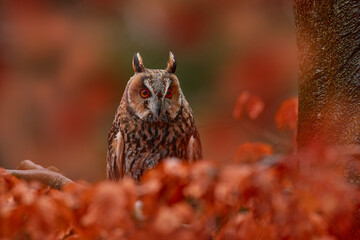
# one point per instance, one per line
(154, 94)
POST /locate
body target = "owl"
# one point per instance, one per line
(153, 122)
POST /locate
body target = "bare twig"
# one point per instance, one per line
(29, 171)
(53, 179)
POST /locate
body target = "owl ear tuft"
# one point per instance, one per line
(137, 63)
(171, 66)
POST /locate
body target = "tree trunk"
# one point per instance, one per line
(328, 37)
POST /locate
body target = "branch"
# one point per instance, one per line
(30, 171)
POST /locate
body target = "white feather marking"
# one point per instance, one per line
(190, 150)
(119, 148)
(118, 137)
(167, 85)
(146, 83)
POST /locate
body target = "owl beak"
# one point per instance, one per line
(158, 108)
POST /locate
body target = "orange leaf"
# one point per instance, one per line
(255, 106)
(240, 103)
(287, 114)
(252, 152)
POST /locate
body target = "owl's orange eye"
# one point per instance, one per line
(169, 93)
(144, 93)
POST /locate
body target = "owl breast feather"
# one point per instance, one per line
(147, 143)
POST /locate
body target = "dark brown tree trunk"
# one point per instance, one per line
(328, 37)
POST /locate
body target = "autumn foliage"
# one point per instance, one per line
(251, 104)
(260, 195)
(299, 196)
(287, 114)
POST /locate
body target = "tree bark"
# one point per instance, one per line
(328, 38)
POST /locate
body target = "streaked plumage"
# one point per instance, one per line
(153, 121)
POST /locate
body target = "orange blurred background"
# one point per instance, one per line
(64, 66)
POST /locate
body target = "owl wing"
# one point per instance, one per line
(115, 154)
(194, 151)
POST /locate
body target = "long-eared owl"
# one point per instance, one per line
(153, 122)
